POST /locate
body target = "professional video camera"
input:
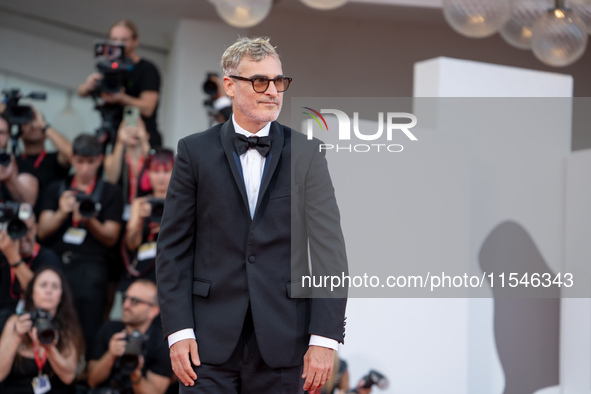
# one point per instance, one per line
(112, 65)
(372, 377)
(19, 114)
(157, 209)
(130, 359)
(88, 207)
(12, 216)
(42, 320)
(218, 107)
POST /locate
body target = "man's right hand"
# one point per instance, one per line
(117, 344)
(181, 364)
(91, 82)
(67, 202)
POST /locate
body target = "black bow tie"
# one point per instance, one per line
(243, 143)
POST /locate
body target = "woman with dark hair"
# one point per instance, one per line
(138, 247)
(46, 361)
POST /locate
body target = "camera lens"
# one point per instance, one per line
(87, 208)
(16, 229)
(130, 358)
(4, 159)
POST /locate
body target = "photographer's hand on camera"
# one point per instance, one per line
(22, 187)
(89, 85)
(140, 210)
(10, 248)
(23, 325)
(132, 140)
(136, 376)
(67, 203)
(119, 98)
(117, 344)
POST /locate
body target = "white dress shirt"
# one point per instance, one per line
(253, 164)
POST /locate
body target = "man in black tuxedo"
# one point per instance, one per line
(245, 202)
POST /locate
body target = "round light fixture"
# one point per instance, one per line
(559, 37)
(243, 13)
(324, 4)
(476, 18)
(518, 29)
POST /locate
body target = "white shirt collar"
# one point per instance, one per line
(264, 132)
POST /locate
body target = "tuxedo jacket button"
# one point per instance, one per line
(251, 259)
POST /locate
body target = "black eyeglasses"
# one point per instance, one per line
(134, 300)
(261, 84)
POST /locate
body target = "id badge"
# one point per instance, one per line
(146, 251)
(126, 212)
(74, 236)
(41, 384)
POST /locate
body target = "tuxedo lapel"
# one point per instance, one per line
(277, 139)
(227, 137)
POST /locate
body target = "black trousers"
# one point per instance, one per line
(246, 372)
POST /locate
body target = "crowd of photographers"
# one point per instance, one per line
(78, 230)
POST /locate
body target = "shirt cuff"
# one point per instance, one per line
(317, 340)
(187, 333)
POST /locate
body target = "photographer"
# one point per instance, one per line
(144, 224)
(37, 350)
(21, 258)
(124, 164)
(138, 248)
(13, 186)
(141, 85)
(107, 369)
(45, 167)
(80, 221)
(218, 105)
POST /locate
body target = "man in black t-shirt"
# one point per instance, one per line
(141, 85)
(14, 186)
(19, 260)
(47, 167)
(80, 221)
(153, 372)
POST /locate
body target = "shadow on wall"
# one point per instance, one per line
(526, 329)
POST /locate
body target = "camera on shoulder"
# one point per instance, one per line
(19, 114)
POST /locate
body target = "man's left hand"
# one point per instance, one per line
(318, 363)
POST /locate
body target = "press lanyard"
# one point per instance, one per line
(40, 361)
(133, 178)
(39, 159)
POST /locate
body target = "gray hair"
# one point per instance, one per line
(256, 48)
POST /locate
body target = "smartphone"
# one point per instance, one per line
(131, 115)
